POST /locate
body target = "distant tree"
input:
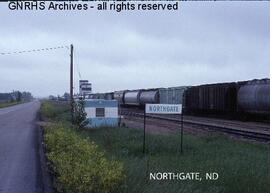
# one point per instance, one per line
(66, 96)
(27, 96)
(12, 98)
(80, 114)
(19, 96)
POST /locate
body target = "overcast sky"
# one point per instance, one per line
(203, 42)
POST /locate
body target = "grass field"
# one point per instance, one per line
(8, 104)
(243, 167)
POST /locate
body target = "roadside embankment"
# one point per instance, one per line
(76, 163)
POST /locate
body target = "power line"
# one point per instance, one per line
(34, 50)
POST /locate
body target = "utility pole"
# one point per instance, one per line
(71, 83)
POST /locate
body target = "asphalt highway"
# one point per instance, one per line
(19, 158)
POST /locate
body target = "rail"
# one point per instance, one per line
(214, 127)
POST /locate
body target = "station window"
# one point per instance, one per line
(100, 112)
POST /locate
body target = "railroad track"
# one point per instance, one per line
(229, 123)
(255, 135)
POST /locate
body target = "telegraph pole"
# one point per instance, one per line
(71, 82)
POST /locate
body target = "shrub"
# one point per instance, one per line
(80, 114)
(78, 164)
(47, 110)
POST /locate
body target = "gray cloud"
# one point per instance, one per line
(203, 42)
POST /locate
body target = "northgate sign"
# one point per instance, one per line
(163, 109)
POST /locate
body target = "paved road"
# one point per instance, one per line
(19, 160)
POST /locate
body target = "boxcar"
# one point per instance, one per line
(172, 95)
(211, 98)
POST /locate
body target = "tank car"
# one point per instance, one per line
(254, 97)
(132, 98)
(149, 96)
(119, 96)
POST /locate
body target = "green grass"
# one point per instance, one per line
(55, 111)
(8, 104)
(243, 167)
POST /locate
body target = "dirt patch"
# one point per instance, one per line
(155, 126)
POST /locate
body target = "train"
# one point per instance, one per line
(232, 98)
(236, 99)
(139, 97)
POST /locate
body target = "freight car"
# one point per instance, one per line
(254, 97)
(140, 97)
(97, 96)
(171, 95)
(132, 97)
(119, 96)
(211, 98)
(149, 96)
(109, 96)
(236, 99)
